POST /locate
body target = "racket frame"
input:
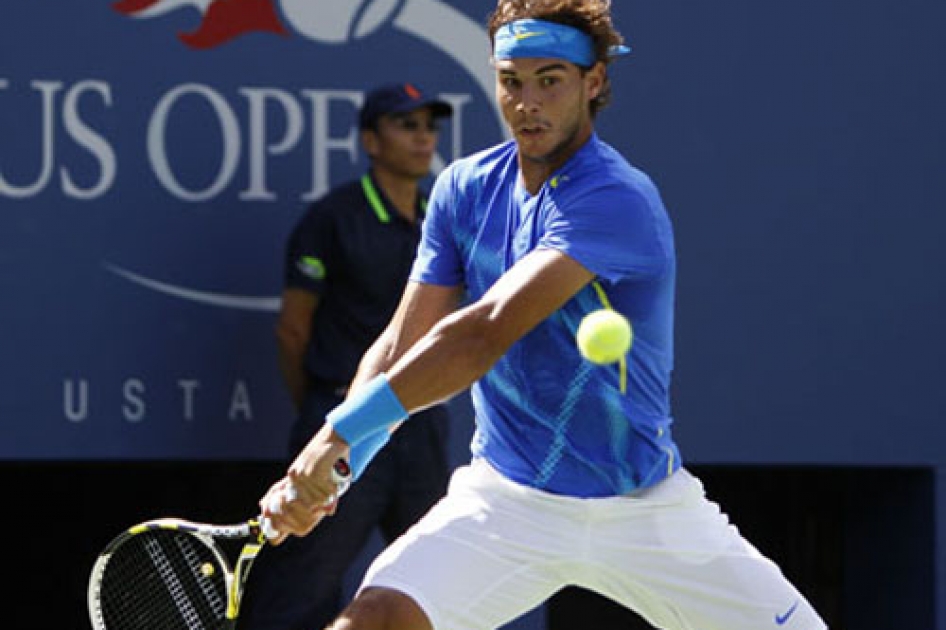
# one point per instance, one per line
(207, 534)
(255, 531)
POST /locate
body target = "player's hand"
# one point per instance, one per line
(312, 473)
(298, 502)
(286, 515)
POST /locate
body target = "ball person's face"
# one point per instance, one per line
(404, 144)
(546, 104)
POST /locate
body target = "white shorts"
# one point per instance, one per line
(492, 549)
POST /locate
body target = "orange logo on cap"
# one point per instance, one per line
(412, 91)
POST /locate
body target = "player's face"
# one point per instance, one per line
(403, 144)
(545, 103)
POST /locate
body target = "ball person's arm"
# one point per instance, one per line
(293, 331)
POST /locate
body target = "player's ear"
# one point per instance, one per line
(594, 80)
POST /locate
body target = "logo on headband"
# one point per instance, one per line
(540, 38)
(528, 34)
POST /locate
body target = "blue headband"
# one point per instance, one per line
(538, 38)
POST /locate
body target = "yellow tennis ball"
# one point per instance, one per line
(604, 336)
(207, 569)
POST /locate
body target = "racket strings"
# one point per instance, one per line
(193, 560)
(164, 579)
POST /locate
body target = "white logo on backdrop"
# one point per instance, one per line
(335, 22)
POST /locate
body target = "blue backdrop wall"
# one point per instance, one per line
(155, 153)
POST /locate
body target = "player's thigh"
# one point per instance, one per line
(382, 608)
(472, 564)
(675, 558)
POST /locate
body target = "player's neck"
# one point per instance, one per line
(401, 191)
(535, 171)
(534, 174)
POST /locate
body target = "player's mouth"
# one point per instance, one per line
(532, 130)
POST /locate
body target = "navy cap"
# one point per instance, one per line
(397, 99)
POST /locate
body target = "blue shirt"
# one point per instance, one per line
(546, 417)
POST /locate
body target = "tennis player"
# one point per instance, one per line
(572, 481)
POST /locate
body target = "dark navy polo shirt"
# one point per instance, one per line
(354, 251)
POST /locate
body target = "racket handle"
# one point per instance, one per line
(341, 475)
(266, 526)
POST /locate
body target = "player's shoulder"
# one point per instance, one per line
(600, 176)
(604, 166)
(479, 168)
(599, 181)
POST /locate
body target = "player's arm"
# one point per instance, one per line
(293, 331)
(463, 346)
(421, 307)
(423, 368)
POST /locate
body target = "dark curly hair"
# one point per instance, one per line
(592, 17)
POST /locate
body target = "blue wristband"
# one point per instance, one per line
(361, 454)
(374, 406)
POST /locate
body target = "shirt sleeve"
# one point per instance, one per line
(438, 258)
(615, 232)
(310, 251)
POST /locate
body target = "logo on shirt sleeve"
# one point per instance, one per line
(311, 267)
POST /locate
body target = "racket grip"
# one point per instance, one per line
(266, 526)
(341, 475)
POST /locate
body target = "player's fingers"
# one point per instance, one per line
(282, 525)
(277, 538)
(276, 497)
(269, 503)
(274, 510)
(311, 522)
(299, 520)
(311, 493)
(331, 507)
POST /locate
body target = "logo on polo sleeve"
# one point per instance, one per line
(311, 267)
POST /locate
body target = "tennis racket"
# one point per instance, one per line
(173, 574)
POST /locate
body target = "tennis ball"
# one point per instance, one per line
(604, 336)
(207, 569)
